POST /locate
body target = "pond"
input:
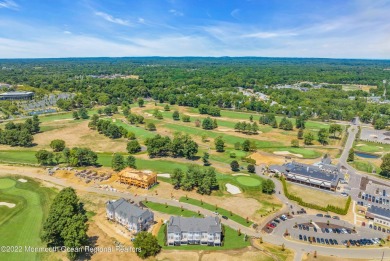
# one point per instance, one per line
(367, 155)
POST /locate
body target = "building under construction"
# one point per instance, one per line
(141, 179)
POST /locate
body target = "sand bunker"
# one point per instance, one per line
(286, 153)
(22, 180)
(359, 145)
(240, 174)
(10, 205)
(164, 175)
(224, 129)
(232, 189)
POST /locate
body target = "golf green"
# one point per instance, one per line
(248, 181)
(6, 183)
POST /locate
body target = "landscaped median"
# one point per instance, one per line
(223, 212)
(232, 239)
(171, 210)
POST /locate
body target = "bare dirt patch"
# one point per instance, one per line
(79, 135)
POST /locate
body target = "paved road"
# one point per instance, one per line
(298, 247)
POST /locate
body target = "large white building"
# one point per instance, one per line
(380, 215)
(194, 231)
(323, 175)
(134, 218)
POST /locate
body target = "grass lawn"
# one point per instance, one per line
(172, 210)
(140, 132)
(248, 181)
(221, 211)
(231, 240)
(372, 147)
(316, 196)
(364, 165)
(24, 228)
(18, 156)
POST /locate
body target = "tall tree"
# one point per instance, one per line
(66, 224)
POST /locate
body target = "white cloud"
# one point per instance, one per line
(266, 35)
(176, 12)
(141, 20)
(67, 32)
(235, 13)
(9, 4)
(113, 19)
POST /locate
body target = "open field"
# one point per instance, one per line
(316, 196)
(21, 226)
(372, 147)
(172, 210)
(366, 165)
(218, 209)
(231, 241)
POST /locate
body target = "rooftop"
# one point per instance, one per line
(379, 211)
(311, 171)
(126, 209)
(193, 224)
(137, 174)
(15, 93)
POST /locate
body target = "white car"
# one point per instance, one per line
(344, 194)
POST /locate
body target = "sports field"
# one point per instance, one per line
(21, 225)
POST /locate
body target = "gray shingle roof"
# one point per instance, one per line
(127, 210)
(192, 224)
(379, 211)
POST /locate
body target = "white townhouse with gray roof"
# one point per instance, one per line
(133, 217)
(194, 231)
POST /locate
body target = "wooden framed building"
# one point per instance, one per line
(141, 179)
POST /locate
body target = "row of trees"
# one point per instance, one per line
(20, 134)
(75, 157)
(180, 146)
(203, 179)
(119, 162)
(110, 129)
(210, 110)
(247, 128)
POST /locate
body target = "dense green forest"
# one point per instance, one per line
(191, 81)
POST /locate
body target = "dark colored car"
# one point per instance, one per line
(224, 217)
(304, 238)
(300, 237)
(336, 217)
(319, 215)
(326, 241)
(327, 216)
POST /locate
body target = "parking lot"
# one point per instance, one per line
(327, 230)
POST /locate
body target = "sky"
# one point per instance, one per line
(266, 28)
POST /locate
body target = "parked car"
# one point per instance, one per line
(277, 220)
(300, 237)
(327, 216)
(304, 238)
(319, 215)
(224, 217)
(336, 217)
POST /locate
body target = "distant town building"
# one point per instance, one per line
(141, 179)
(194, 231)
(379, 215)
(134, 218)
(4, 85)
(16, 96)
(323, 175)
